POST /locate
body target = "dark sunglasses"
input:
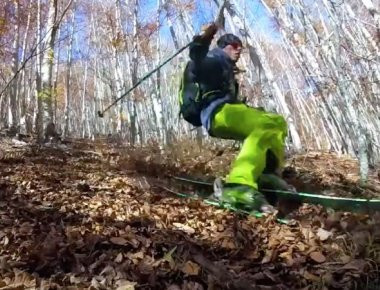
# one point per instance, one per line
(236, 45)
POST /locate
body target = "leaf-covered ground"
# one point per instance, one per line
(95, 217)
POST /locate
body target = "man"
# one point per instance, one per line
(210, 78)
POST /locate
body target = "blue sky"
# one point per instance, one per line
(255, 14)
(205, 10)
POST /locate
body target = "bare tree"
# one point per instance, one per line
(68, 72)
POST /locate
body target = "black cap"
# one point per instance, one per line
(227, 39)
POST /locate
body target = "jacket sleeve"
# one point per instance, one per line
(198, 51)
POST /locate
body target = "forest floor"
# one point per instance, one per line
(93, 216)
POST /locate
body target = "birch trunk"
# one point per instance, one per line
(24, 88)
(162, 129)
(39, 115)
(66, 128)
(47, 63)
(56, 76)
(118, 69)
(134, 72)
(14, 120)
(85, 132)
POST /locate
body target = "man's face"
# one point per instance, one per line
(233, 50)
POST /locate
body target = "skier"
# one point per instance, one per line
(209, 97)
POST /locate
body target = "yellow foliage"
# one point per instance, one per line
(44, 94)
(3, 26)
(50, 55)
(60, 94)
(123, 116)
(118, 41)
(298, 39)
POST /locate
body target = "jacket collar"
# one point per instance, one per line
(218, 52)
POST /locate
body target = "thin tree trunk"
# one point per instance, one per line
(39, 116)
(48, 63)
(14, 120)
(56, 77)
(24, 89)
(84, 119)
(66, 127)
(134, 73)
(160, 100)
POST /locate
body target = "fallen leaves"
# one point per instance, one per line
(268, 257)
(358, 265)
(125, 285)
(317, 257)
(185, 228)
(323, 234)
(119, 241)
(84, 224)
(190, 268)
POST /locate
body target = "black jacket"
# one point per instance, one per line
(213, 71)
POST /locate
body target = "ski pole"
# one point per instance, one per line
(101, 113)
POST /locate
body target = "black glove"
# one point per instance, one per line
(207, 35)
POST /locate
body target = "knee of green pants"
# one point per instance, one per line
(250, 161)
(226, 122)
(237, 121)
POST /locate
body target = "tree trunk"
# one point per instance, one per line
(66, 128)
(48, 62)
(39, 117)
(134, 73)
(14, 118)
(25, 86)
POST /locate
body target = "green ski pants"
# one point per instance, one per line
(261, 131)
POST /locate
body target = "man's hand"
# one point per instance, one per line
(207, 35)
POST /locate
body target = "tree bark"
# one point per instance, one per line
(14, 118)
(66, 128)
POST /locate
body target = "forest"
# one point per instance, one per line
(101, 178)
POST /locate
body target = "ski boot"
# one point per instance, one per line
(269, 184)
(242, 196)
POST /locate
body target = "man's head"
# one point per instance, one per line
(231, 44)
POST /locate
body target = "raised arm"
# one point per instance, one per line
(201, 43)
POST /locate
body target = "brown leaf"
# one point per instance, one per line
(119, 241)
(358, 265)
(317, 257)
(22, 280)
(190, 268)
(191, 285)
(184, 228)
(268, 256)
(323, 234)
(345, 259)
(228, 243)
(4, 266)
(119, 258)
(125, 285)
(288, 258)
(5, 241)
(301, 247)
(173, 287)
(311, 277)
